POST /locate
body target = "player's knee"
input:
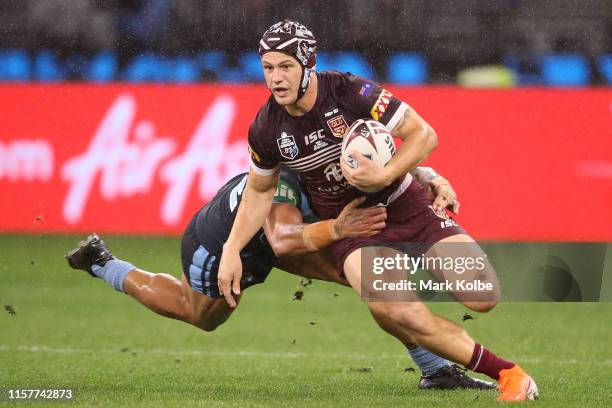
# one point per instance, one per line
(211, 323)
(210, 320)
(412, 316)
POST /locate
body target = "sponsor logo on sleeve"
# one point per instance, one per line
(287, 146)
(366, 89)
(381, 105)
(337, 125)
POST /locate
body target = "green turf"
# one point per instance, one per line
(73, 331)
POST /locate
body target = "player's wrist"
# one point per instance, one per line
(425, 175)
(230, 246)
(320, 234)
(335, 228)
(438, 181)
(390, 174)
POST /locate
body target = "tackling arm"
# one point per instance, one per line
(288, 235)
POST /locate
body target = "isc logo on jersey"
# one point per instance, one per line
(370, 138)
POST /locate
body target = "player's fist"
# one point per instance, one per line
(367, 176)
(444, 195)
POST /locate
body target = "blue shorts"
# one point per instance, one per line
(201, 267)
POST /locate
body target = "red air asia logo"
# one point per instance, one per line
(126, 155)
(381, 105)
(337, 125)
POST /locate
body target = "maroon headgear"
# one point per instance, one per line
(292, 38)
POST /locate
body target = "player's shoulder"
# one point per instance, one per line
(342, 84)
(337, 79)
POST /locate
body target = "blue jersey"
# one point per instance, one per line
(215, 220)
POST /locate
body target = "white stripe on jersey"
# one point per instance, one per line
(305, 160)
(329, 159)
(317, 161)
(397, 116)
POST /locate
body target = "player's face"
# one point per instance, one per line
(283, 74)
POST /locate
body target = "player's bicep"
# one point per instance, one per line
(408, 122)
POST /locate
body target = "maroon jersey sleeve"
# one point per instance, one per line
(264, 155)
(368, 99)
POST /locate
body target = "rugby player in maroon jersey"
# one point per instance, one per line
(195, 298)
(301, 126)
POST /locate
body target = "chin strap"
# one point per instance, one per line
(305, 81)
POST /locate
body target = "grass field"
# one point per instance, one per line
(74, 331)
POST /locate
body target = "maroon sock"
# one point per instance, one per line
(486, 362)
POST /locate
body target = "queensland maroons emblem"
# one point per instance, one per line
(337, 125)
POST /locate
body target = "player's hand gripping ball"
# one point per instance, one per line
(372, 140)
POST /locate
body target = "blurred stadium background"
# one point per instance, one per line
(549, 42)
(124, 116)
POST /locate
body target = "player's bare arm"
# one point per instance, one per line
(251, 215)
(418, 141)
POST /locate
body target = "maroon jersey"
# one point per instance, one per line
(311, 144)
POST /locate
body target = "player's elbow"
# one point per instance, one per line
(431, 139)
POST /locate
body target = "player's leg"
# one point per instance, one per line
(312, 265)
(166, 295)
(463, 246)
(436, 372)
(161, 293)
(413, 320)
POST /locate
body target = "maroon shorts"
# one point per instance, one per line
(410, 219)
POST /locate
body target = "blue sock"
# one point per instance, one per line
(113, 272)
(428, 362)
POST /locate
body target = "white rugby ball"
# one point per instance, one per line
(370, 138)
